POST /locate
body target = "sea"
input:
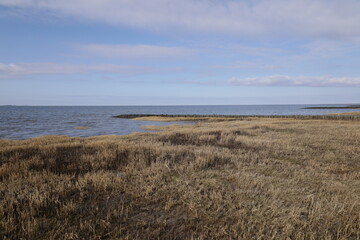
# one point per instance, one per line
(22, 122)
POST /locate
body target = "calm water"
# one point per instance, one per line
(19, 122)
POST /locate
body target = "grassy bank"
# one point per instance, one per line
(347, 114)
(219, 118)
(251, 178)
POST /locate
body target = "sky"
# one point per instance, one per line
(188, 52)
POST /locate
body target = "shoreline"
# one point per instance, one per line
(214, 117)
(186, 119)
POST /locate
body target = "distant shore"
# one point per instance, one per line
(215, 117)
(344, 107)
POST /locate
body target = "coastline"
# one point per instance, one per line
(216, 117)
(337, 107)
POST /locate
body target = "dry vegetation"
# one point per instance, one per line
(217, 118)
(254, 178)
(81, 128)
(347, 114)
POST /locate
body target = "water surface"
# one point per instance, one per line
(19, 122)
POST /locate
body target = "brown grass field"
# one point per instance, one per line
(347, 113)
(250, 178)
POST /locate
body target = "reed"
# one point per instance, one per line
(249, 178)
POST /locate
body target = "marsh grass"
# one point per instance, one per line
(220, 118)
(347, 113)
(260, 178)
(81, 128)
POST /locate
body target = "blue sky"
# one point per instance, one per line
(168, 52)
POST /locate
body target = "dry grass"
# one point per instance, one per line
(221, 118)
(347, 114)
(246, 179)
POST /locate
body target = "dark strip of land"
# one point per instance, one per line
(344, 107)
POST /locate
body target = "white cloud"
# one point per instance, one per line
(28, 69)
(316, 18)
(136, 51)
(305, 81)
